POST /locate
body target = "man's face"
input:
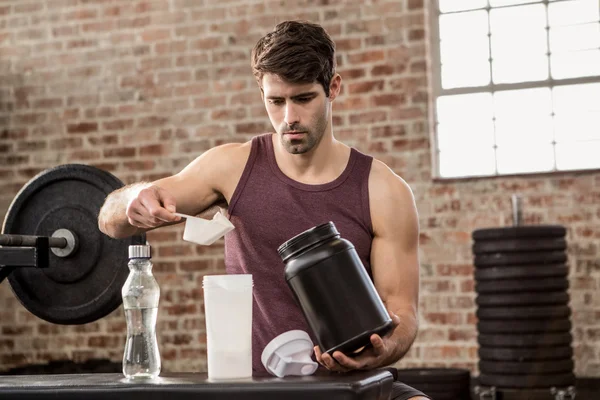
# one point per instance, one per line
(299, 112)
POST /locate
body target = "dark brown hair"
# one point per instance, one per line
(296, 51)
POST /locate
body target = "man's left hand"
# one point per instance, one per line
(377, 355)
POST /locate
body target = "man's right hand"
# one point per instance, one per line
(151, 208)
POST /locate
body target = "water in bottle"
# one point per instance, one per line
(141, 294)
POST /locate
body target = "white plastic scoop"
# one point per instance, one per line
(204, 231)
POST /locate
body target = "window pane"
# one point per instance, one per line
(474, 49)
(468, 161)
(523, 18)
(465, 135)
(523, 117)
(462, 5)
(527, 131)
(453, 136)
(518, 44)
(578, 37)
(578, 155)
(454, 109)
(526, 69)
(522, 103)
(575, 64)
(464, 25)
(525, 157)
(500, 3)
(573, 12)
(577, 112)
(577, 127)
(575, 98)
(457, 74)
(518, 33)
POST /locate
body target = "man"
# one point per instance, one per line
(278, 185)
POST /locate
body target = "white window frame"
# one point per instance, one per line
(437, 91)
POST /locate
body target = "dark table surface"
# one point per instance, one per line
(367, 385)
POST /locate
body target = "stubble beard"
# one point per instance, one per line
(310, 139)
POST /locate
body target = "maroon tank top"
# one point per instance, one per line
(267, 209)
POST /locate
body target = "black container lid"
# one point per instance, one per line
(306, 239)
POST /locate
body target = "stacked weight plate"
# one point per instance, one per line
(523, 309)
(438, 383)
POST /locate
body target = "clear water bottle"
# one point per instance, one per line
(140, 300)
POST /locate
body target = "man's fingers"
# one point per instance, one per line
(169, 203)
(394, 317)
(378, 344)
(347, 362)
(332, 364)
(157, 211)
(318, 355)
(136, 219)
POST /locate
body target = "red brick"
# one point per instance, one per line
(138, 166)
(415, 4)
(31, 146)
(365, 87)
(366, 57)
(348, 44)
(351, 73)
(121, 152)
(252, 128)
(228, 115)
(66, 143)
(174, 77)
(106, 342)
(171, 47)
(196, 266)
(181, 309)
(368, 117)
(152, 121)
(83, 127)
(391, 100)
(208, 43)
(119, 124)
(17, 330)
(28, 7)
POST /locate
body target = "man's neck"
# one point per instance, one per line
(322, 164)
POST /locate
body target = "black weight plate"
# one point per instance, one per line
(524, 326)
(525, 340)
(522, 272)
(516, 232)
(433, 386)
(526, 258)
(428, 375)
(436, 395)
(522, 285)
(519, 245)
(527, 394)
(526, 367)
(522, 299)
(85, 286)
(525, 353)
(527, 381)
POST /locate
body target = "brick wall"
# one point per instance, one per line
(140, 88)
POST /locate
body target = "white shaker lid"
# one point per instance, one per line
(289, 354)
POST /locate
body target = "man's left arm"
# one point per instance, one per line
(395, 268)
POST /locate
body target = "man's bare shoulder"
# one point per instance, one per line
(225, 158)
(386, 185)
(392, 203)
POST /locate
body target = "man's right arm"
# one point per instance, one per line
(140, 207)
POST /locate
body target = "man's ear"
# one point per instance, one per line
(262, 94)
(335, 86)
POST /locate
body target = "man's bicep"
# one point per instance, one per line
(394, 252)
(200, 184)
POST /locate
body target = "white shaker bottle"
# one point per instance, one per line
(228, 315)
